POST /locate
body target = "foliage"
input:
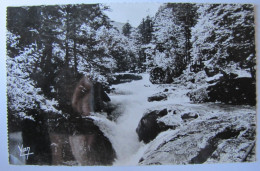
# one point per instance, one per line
(171, 38)
(22, 92)
(51, 47)
(127, 29)
(224, 37)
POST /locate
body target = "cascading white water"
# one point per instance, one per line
(132, 98)
(134, 105)
(122, 132)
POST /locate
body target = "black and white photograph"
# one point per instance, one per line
(158, 84)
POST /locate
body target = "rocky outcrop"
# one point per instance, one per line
(124, 78)
(237, 91)
(99, 150)
(157, 97)
(67, 141)
(225, 138)
(199, 95)
(189, 115)
(161, 76)
(149, 126)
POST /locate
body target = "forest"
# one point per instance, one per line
(207, 48)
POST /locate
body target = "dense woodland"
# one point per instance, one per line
(49, 48)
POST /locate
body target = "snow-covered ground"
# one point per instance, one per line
(132, 99)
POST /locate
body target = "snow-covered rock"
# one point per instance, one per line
(198, 95)
(149, 126)
(189, 115)
(157, 97)
(124, 78)
(225, 137)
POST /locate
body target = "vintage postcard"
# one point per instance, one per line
(131, 84)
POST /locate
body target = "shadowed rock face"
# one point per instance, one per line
(148, 127)
(236, 91)
(189, 115)
(88, 144)
(77, 141)
(161, 76)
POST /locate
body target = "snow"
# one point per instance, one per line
(180, 146)
(122, 133)
(242, 73)
(195, 133)
(135, 105)
(22, 91)
(215, 77)
(211, 40)
(221, 28)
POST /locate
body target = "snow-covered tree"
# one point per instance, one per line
(146, 29)
(22, 92)
(186, 17)
(224, 37)
(169, 40)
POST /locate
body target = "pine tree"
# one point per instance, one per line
(22, 92)
(224, 37)
(186, 17)
(169, 40)
(64, 42)
(146, 29)
(127, 29)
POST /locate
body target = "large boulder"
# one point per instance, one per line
(149, 126)
(157, 97)
(189, 115)
(199, 96)
(65, 141)
(213, 139)
(124, 78)
(161, 76)
(237, 91)
(84, 134)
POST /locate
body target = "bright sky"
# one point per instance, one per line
(131, 12)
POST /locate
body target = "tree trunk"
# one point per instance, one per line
(75, 57)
